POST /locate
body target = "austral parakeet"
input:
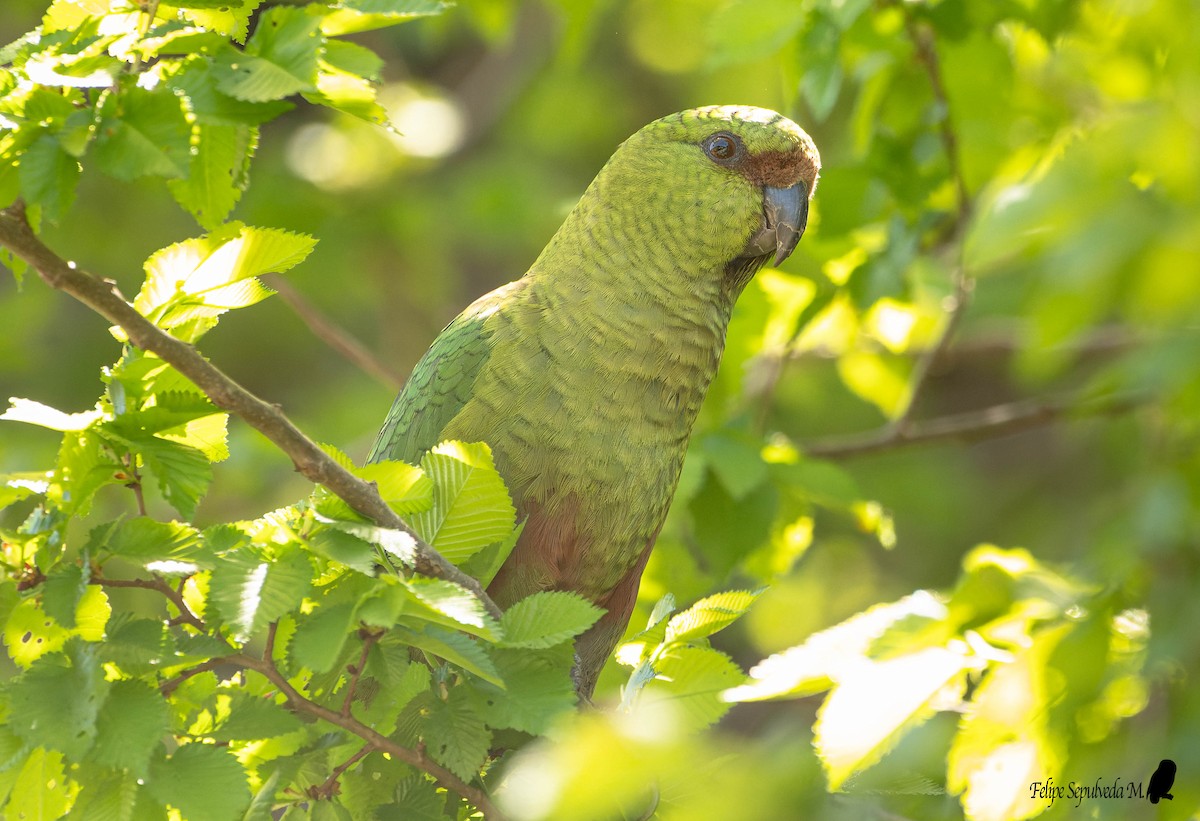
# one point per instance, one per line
(586, 374)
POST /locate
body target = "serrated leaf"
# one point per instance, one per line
(217, 175)
(710, 615)
(404, 487)
(30, 634)
(455, 734)
(343, 547)
(418, 800)
(855, 727)
(205, 783)
(471, 507)
(183, 473)
(106, 795)
(485, 564)
(41, 790)
(453, 647)
(539, 689)
(56, 701)
(48, 176)
(547, 618)
(254, 717)
(250, 591)
(231, 20)
(321, 636)
(691, 679)
(197, 79)
(137, 645)
(143, 133)
(341, 86)
(64, 586)
(130, 727)
(353, 16)
(206, 276)
(280, 58)
(148, 540)
(456, 603)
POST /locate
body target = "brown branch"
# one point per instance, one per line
(326, 330)
(375, 740)
(972, 426)
(186, 616)
(103, 297)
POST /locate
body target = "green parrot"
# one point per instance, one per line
(586, 374)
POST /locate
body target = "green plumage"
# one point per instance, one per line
(585, 376)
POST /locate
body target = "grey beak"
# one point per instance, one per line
(785, 213)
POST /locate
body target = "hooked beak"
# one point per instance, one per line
(785, 213)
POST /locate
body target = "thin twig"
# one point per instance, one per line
(375, 740)
(369, 638)
(962, 284)
(972, 426)
(103, 297)
(341, 340)
(135, 484)
(330, 786)
(186, 616)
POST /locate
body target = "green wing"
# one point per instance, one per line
(441, 384)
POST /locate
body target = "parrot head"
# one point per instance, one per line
(722, 188)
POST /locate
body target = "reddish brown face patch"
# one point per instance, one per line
(781, 169)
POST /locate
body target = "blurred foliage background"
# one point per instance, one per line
(1023, 174)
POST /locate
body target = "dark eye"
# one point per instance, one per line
(721, 147)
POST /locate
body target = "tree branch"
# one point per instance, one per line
(103, 297)
(326, 330)
(186, 616)
(972, 426)
(375, 741)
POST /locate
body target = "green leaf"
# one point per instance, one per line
(710, 615)
(48, 176)
(471, 508)
(41, 790)
(344, 81)
(453, 647)
(143, 133)
(744, 30)
(321, 636)
(539, 689)
(135, 645)
(485, 564)
(691, 679)
(251, 591)
(205, 783)
(149, 540)
(353, 16)
(55, 703)
(280, 59)
(456, 603)
(254, 717)
(197, 79)
(64, 586)
(736, 461)
(455, 734)
(218, 173)
(547, 618)
(130, 727)
(30, 634)
(855, 727)
(232, 19)
(105, 795)
(404, 487)
(343, 547)
(17, 486)
(204, 277)
(183, 473)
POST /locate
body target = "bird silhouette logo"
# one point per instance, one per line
(1161, 781)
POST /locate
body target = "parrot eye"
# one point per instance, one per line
(722, 147)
